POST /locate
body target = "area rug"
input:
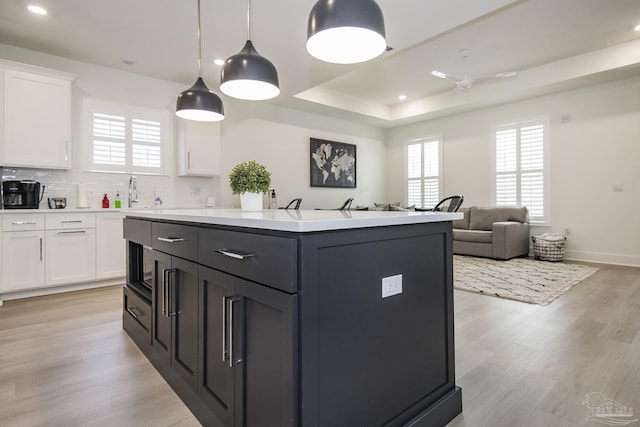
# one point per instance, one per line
(520, 279)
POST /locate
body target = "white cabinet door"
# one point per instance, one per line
(198, 148)
(70, 256)
(110, 246)
(22, 260)
(37, 121)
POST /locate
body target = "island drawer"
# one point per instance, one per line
(270, 260)
(137, 231)
(136, 318)
(175, 239)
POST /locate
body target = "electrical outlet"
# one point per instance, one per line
(566, 231)
(391, 285)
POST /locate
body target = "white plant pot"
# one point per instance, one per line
(251, 202)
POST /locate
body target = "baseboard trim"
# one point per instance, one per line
(49, 290)
(603, 258)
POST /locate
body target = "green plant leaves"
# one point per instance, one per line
(249, 177)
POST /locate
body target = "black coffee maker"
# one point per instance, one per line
(21, 194)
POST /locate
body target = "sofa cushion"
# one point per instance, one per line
(483, 218)
(464, 222)
(400, 208)
(476, 236)
(385, 206)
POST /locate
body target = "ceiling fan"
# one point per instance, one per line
(464, 83)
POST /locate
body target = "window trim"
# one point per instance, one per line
(546, 170)
(422, 139)
(93, 105)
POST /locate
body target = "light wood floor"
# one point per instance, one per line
(65, 361)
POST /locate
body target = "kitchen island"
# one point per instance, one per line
(287, 318)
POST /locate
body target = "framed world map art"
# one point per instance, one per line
(333, 164)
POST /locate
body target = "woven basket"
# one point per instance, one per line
(549, 248)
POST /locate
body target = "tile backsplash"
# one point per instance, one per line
(175, 192)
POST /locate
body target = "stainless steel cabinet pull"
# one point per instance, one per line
(231, 254)
(72, 232)
(41, 249)
(68, 221)
(188, 159)
(224, 329)
(23, 223)
(165, 282)
(169, 289)
(230, 302)
(132, 311)
(171, 239)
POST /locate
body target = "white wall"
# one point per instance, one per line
(118, 87)
(277, 137)
(598, 148)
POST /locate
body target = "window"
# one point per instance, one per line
(424, 160)
(521, 167)
(126, 139)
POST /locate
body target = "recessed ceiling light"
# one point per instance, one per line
(637, 27)
(37, 9)
(218, 61)
(402, 97)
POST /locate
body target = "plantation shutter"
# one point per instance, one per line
(109, 147)
(423, 167)
(146, 148)
(532, 167)
(125, 139)
(520, 169)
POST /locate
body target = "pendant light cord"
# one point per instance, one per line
(199, 44)
(248, 19)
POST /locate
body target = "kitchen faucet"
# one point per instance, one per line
(133, 191)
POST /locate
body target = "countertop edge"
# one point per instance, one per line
(296, 221)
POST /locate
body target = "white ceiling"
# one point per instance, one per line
(553, 44)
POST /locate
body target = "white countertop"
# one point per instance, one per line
(63, 210)
(296, 220)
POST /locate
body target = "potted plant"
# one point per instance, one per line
(250, 180)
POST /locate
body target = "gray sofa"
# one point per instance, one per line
(497, 232)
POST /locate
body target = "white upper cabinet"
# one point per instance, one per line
(198, 148)
(36, 119)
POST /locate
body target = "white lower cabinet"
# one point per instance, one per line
(22, 260)
(54, 249)
(111, 250)
(70, 256)
(22, 251)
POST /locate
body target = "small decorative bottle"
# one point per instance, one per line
(118, 203)
(105, 201)
(273, 202)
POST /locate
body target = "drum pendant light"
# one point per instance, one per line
(346, 31)
(247, 74)
(198, 102)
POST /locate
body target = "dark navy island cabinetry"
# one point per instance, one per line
(296, 322)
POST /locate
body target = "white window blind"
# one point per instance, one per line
(146, 143)
(521, 168)
(126, 139)
(109, 147)
(423, 172)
